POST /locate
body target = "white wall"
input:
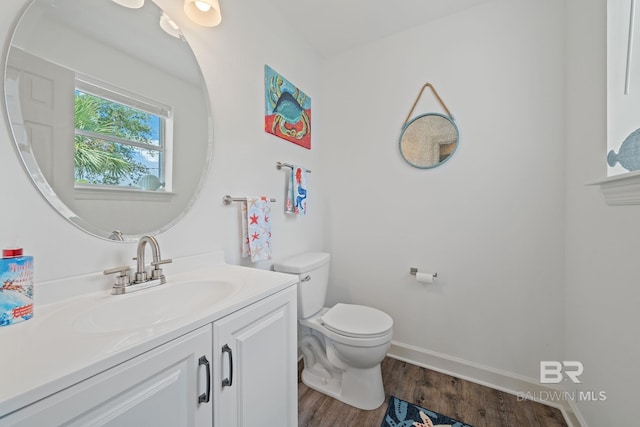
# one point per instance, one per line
(232, 57)
(602, 294)
(490, 220)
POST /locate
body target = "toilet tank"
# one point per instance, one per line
(312, 269)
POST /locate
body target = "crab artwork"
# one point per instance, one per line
(287, 110)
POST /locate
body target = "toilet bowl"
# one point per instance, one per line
(343, 345)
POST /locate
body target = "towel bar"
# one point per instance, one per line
(280, 165)
(227, 200)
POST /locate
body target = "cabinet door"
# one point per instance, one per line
(255, 375)
(160, 388)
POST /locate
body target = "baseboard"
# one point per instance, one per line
(508, 382)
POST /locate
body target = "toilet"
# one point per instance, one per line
(342, 346)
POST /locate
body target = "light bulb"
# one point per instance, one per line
(203, 12)
(203, 6)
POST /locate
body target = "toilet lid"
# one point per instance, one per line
(357, 320)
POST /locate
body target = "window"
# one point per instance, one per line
(120, 140)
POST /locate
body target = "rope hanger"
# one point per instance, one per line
(418, 98)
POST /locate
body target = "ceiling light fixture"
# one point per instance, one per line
(203, 12)
(131, 4)
(169, 26)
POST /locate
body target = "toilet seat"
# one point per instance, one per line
(357, 321)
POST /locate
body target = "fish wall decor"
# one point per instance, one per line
(629, 153)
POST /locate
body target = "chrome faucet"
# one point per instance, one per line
(141, 279)
(116, 235)
(141, 273)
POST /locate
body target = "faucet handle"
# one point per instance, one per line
(123, 279)
(157, 273)
(162, 261)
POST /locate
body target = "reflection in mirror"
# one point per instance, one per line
(623, 88)
(109, 113)
(428, 140)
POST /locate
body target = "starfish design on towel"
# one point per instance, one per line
(256, 228)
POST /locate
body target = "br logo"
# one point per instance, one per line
(553, 371)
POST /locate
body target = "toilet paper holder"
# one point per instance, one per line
(413, 271)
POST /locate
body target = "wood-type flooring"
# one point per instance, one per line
(465, 401)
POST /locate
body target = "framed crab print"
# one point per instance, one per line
(287, 109)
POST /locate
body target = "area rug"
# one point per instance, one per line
(405, 414)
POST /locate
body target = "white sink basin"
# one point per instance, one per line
(154, 306)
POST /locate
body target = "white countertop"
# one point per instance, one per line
(47, 353)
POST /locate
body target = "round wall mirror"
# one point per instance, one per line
(428, 140)
(109, 113)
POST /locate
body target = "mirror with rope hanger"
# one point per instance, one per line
(430, 139)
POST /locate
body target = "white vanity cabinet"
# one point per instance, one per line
(255, 367)
(164, 387)
(229, 362)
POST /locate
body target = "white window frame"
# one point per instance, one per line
(121, 96)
